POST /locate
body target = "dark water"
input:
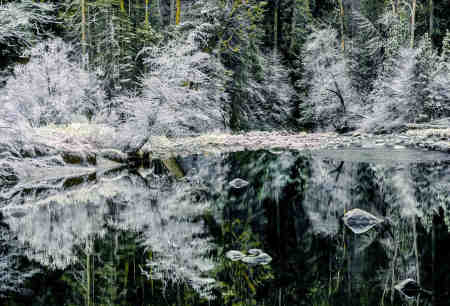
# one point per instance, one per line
(158, 235)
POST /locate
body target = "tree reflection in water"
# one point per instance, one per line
(150, 236)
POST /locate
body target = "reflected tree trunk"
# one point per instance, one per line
(416, 251)
(89, 280)
(173, 166)
(433, 259)
(416, 255)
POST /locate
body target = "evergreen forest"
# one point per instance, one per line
(180, 67)
(225, 152)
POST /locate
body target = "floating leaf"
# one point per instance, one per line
(360, 221)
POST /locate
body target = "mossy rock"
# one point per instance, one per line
(79, 158)
(114, 155)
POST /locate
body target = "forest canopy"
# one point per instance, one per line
(184, 67)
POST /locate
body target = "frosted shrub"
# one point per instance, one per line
(439, 86)
(185, 89)
(131, 116)
(330, 94)
(439, 94)
(19, 22)
(269, 96)
(393, 98)
(51, 89)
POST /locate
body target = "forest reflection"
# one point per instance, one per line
(158, 235)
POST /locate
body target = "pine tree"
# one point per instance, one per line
(397, 37)
(112, 34)
(438, 89)
(445, 55)
(426, 64)
(21, 24)
(365, 53)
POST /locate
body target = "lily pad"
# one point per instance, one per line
(360, 221)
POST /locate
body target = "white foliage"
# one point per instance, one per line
(327, 195)
(439, 90)
(392, 100)
(51, 89)
(14, 128)
(327, 75)
(18, 20)
(269, 95)
(163, 213)
(185, 89)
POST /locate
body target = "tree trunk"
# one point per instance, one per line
(172, 12)
(178, 13)
(341, 19)
(293, 26)
(146, 12)
(83, 32)
(161, 19)
(413, 23)
(275, 27)
(394, 6)
(431, 20)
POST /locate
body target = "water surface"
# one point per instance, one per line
(158, 235)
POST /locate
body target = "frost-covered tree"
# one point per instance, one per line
(365, 54)
(239, 39)
(21, 23)
(396, 38)
(108, 35)
(330, 91)
(270, 98)
(392, 100)
(438, 89)
(425, 67)
(445, 55)
(51, 88)
(185, 88)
